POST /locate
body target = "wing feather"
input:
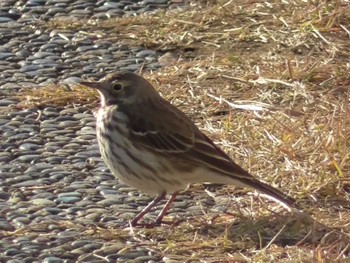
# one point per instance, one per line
(179, 138)
(206, 153)
(150, 132)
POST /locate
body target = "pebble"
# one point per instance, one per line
(69, 194)
(50, 112)
(29, 158)
(21, 221)
(53, 210)
(5, 226)
(68, 124)
(29, 146)
(4, 195)
(145, 53)
(161, 2)
(43, 202)
(27, 183)
(6, 102)
(11, 252)
(68, 199)
(52, 260)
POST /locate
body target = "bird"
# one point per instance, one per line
(151, 145)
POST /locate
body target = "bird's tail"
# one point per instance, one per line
(244, 179)
(219, 168)
(284, 199)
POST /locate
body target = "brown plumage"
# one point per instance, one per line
(151, 145)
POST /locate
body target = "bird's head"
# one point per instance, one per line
(122, 88)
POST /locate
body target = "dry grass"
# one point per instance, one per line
(269, 82)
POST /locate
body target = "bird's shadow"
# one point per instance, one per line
(295, 229)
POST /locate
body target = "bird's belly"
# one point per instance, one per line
(140, 169)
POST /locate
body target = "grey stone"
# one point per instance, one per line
(30, 68)
(68, 199)
(6, 102)
(145, 53)
(43, 202)
(42, 195)
(21, 221)
(27, 183)
(5, 226)
(52, 260)
(53, 210)
(69, 194)
(29, 158)
(4, 55)
(29, 146)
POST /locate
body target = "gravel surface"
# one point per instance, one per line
(53, 184)
(30, 55)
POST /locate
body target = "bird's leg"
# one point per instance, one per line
(165, 208)
(144, 211)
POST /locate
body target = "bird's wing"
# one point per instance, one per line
(207, 153)
(160, 127)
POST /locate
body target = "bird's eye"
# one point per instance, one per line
(117, 86)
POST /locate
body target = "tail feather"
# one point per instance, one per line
(224, 170)
(272, 192)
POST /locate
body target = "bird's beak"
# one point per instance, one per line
(94, 85)
(99, 87)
